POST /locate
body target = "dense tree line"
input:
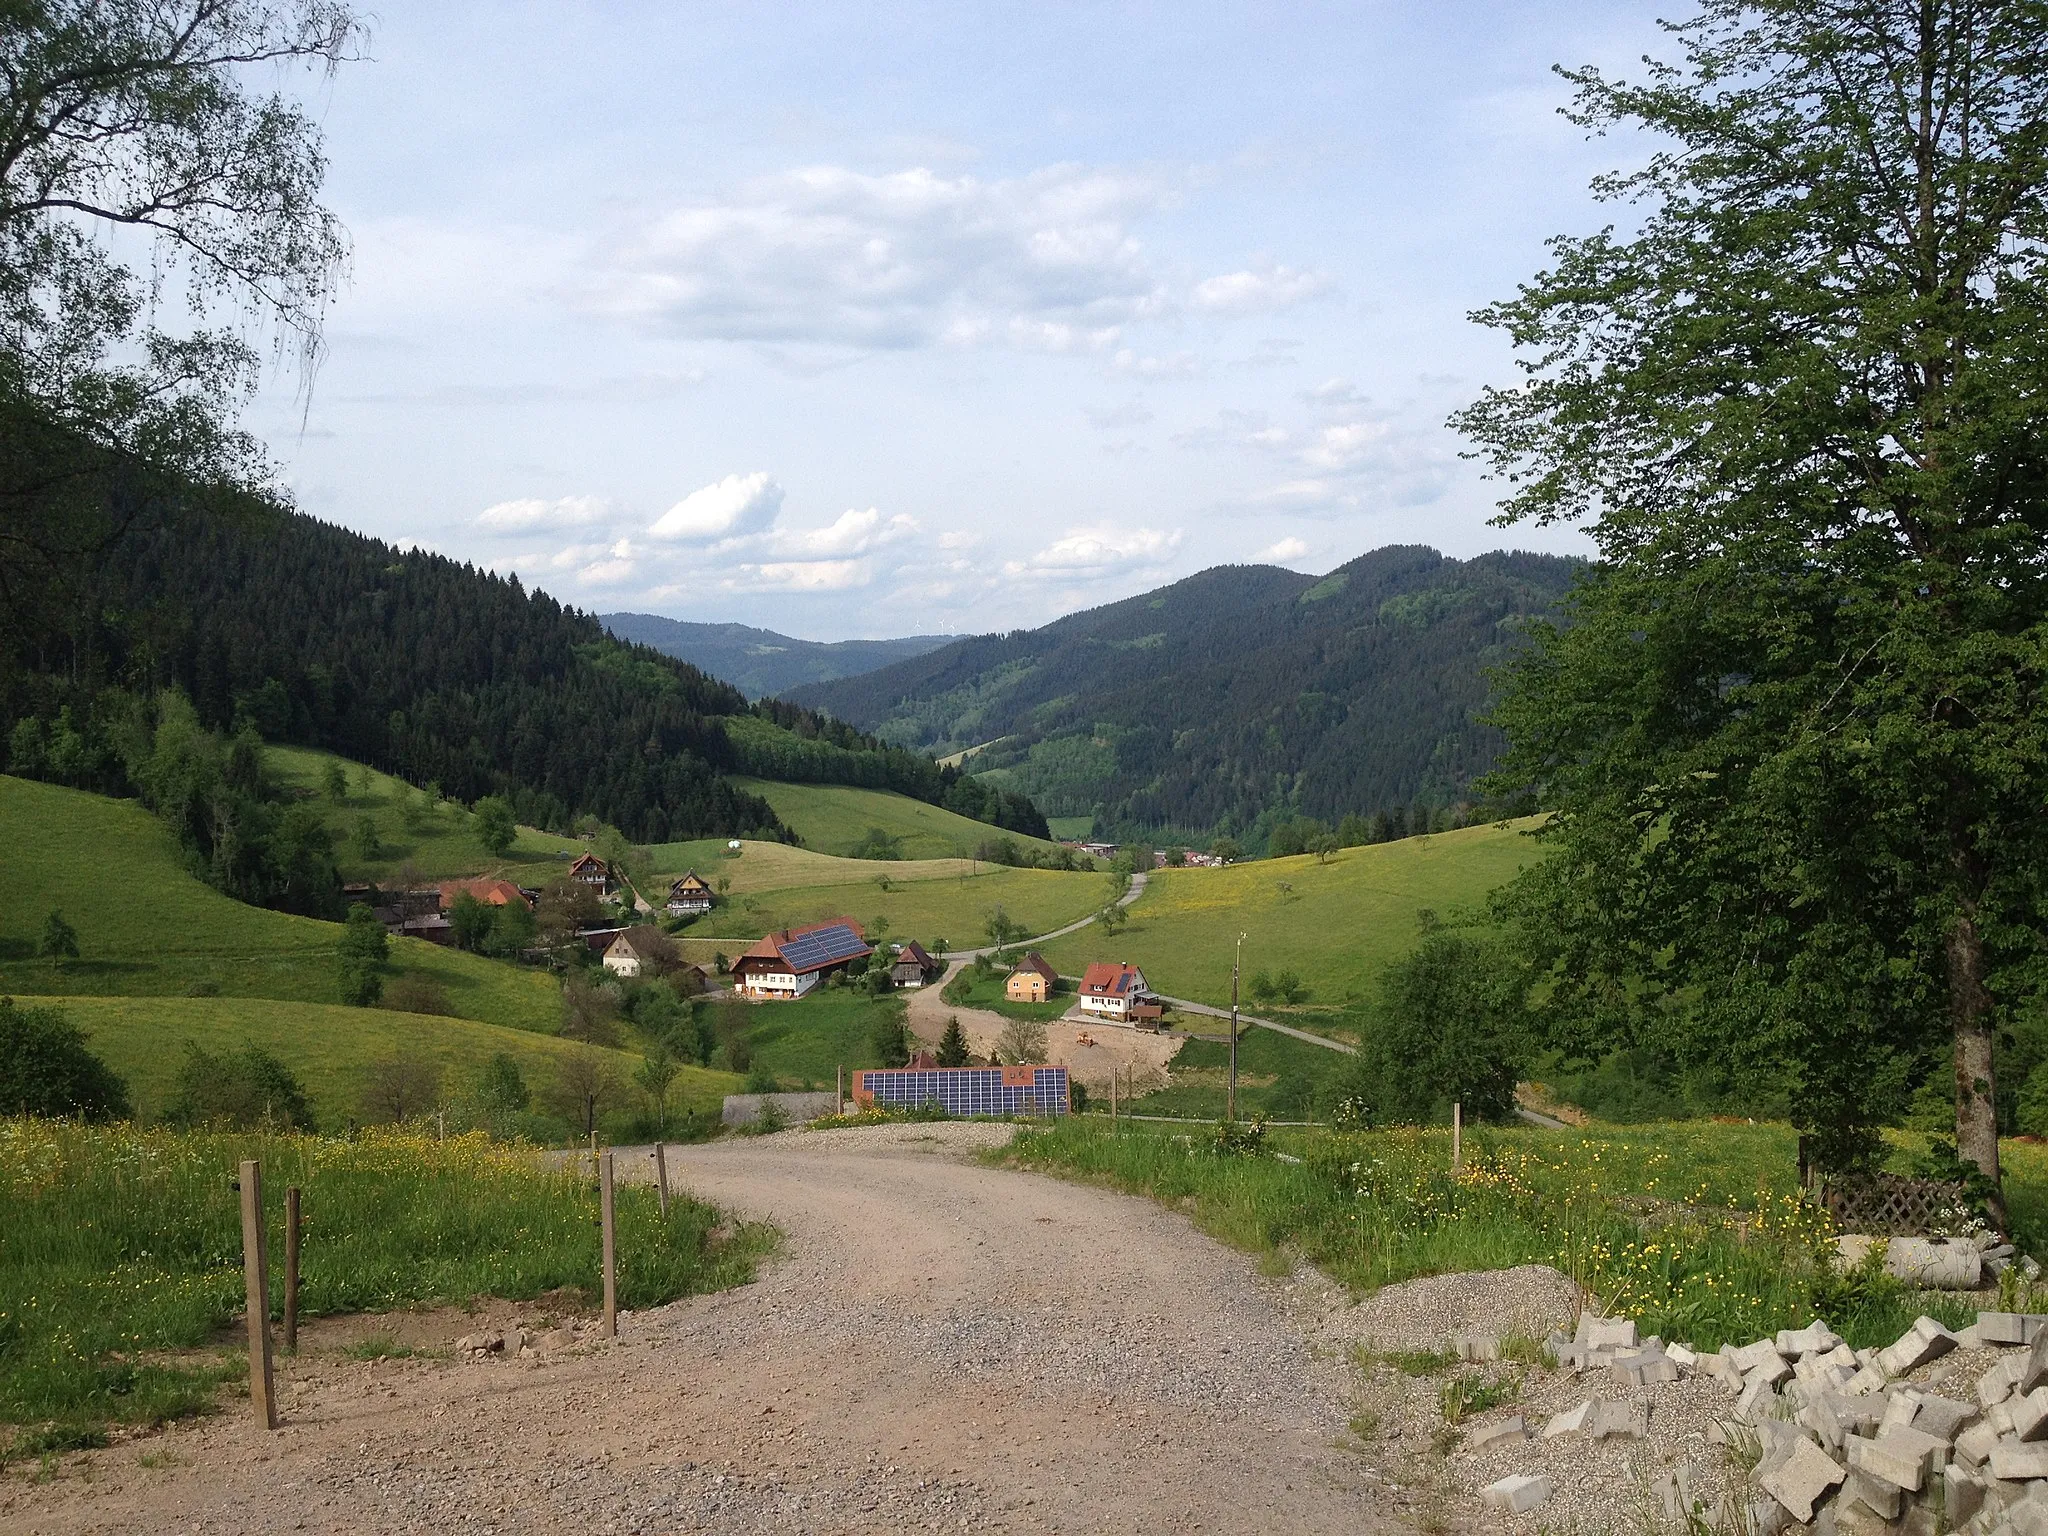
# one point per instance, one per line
(429, 669)
(1232, 701)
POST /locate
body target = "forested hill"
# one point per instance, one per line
(759, 662)
(1238, 697)
(440, 673)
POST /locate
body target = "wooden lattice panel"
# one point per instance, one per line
(1891, 1205)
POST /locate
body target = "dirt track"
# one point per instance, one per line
(1088, 1050)
(941, 1346)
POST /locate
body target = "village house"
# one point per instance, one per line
(1112, 991)
(628, 955)
(914, 965)
(1033, 981)
(492, 893)
(790, 963)
(588, 869)
(689, 897)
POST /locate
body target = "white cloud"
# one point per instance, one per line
(532, 515)
(1102, 551)
(728, 508)
(1282, 552)
(910, 259)
(800, 576)
(1265, 289)
(853, 533)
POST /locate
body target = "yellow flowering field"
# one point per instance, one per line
(121, 1248)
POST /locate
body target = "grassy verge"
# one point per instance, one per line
(120, 1253)
(1694, 1230)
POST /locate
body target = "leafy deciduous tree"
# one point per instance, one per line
(1794, 731)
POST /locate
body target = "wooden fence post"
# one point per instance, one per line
(839, 1089)
(661, 1177)
(1457, 1138)
(611, 1248)
(291, 1269)
(256, 1286)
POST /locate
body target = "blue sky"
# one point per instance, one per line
(856, 320)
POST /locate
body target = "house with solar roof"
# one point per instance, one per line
(1112, 990)
(790, 963)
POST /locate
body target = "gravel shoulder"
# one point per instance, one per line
(941, 1345)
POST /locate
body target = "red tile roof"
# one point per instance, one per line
(1107, 979)
(497, 893)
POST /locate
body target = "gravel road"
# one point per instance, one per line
(941, 1346)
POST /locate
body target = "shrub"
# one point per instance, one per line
(1021, 1041)
(399, 1088)
(60, 939)
(889, 1041)
(46, 1070)
(419, 994)
(1453, 1027)
(243, 1090)
(501, 1088)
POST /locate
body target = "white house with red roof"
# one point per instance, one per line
(790, 963)
(1111, 990)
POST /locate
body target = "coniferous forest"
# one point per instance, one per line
(1236, 701)
(427, 668)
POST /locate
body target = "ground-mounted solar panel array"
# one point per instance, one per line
(822, 946)
(1028, 1090)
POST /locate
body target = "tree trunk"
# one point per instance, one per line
(1970, 1019)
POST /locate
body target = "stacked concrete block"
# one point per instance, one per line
(1846, 1446)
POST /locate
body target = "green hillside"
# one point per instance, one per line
(437, 841)
(1335, 925)
(148, 928)
(327, 1046)
(1230, 698)
(832, 818)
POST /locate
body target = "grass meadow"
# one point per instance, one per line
(148, 928)
(437, 842)
(1694, 1229)
(120, 1259)
(971, 989)
(804, 1041)
(832, 818)
(1336, 925)
(328, 1048)
(775, 887)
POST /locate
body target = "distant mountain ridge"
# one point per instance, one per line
(759, 662)
(1233, 699)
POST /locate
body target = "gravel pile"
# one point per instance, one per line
(1528, 1302)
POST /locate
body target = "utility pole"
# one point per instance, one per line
(1230, 1111)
